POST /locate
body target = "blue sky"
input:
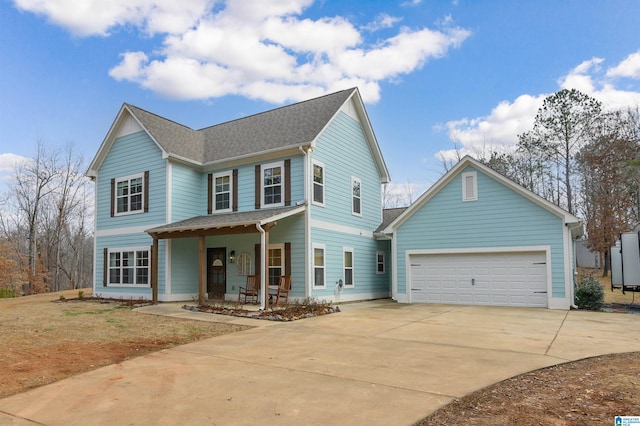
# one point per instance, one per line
(433, 74)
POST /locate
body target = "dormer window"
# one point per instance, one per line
(469, 186)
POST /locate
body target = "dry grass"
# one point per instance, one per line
(610, 296)
(44, 340)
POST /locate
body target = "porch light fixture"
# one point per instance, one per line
(232, 256)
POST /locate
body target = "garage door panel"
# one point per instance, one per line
(506, 279)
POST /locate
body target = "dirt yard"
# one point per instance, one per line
(43, 340)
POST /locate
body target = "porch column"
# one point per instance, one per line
(154, 271)
(264, 258)
(202, 263)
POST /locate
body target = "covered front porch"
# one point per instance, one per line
(212, 248)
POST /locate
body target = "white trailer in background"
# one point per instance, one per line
(625, 262)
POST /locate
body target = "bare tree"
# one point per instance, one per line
(610, 187)
(46, 206)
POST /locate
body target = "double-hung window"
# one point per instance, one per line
(129, 196)
(276, 263)
(318, 183)
(356, 200)
(380, 262)
(222, 194)
(272, 184)
(129, 267)
(318, 266)
(347, 254)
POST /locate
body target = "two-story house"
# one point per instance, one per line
(296, 191)
(182, 213)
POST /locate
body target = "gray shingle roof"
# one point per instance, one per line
(389, 215)
(228, 220)
(173, 137)
(283, 127)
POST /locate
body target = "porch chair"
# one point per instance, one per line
(251, 289)
(282, 292)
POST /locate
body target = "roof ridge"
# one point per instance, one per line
(159, 116)
(276, 109)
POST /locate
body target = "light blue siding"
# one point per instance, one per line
(184, 265)
(129, 155)
(188, 193)
(366, 281)
(345, 153)
(499, 218)
(184, 256)
(246, 182)
(122, 242)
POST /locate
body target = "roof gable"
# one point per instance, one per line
(567, 217)
(275, 130)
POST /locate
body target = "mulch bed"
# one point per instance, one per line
(287, 313)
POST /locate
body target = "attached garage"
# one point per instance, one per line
(478, 238)
(496, 279)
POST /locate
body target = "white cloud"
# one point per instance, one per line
(382, 21)
(629, 67)
(262, 50)
(99, 17)
(9, 161)
(500, 129)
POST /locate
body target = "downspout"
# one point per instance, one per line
(263, 258)
(574, 272)
(307, 220)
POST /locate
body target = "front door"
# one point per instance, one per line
(216, 272)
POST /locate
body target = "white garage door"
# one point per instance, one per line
(498, 279)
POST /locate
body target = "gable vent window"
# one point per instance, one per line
(469, 186)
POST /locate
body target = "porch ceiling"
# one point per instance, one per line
(221, 224)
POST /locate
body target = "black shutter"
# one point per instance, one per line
(258, 260)
(209, 193)
(257, 193)
(146, 191)
(234, 207)
(105, 266)
(113, 197)
(287, 182)
(287, 258)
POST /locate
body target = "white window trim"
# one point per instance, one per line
(313, 183)
(381, 253)
(278, 246)
(353, 267)
(115, 195)
(282, 183)
(127, 249)
(465, 196)
(213, 192)
(353, 180)
(324, 267)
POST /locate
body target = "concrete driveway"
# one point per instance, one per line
(375, 363)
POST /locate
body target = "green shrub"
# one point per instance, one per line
(5, 293)
(589, 294)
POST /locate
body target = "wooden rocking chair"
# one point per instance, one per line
(282, 292)
(251, 289)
